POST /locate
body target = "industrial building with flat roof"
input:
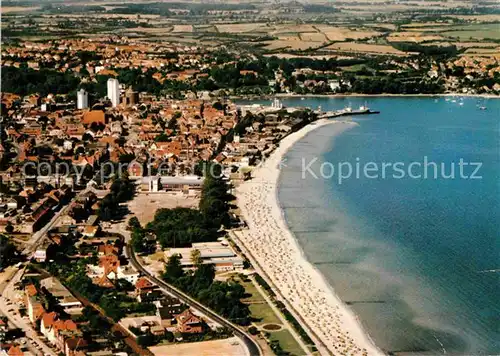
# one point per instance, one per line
(219, 253)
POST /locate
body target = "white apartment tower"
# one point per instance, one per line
(114, 91)
(82, 99)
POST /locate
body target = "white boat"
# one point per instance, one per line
(461, 104)
(482, 108)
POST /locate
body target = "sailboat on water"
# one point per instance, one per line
(481, 105)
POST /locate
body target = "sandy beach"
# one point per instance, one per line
(274, 250)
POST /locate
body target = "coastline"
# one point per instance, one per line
(360, 95)
(275, 251)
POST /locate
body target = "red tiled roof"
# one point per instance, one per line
(48, 319)
(110, 263)
(94, 116)
(143, 283)
(186, 317)
(61, 325)
(38, 310)
(15, 351)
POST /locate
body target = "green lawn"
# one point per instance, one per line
(264, 314)
(287, 342)
(262, 310)
(253, 293)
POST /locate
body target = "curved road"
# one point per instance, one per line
(251, 345)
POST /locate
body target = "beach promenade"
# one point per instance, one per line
(275, 251)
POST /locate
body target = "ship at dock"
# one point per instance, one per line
(347, 111)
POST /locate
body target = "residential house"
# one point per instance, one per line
(35, 309)
(144, 286)
(47, 326)
(188, 323)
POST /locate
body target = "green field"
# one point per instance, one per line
(287, 342)
(474, 31)
(264, 314)
(259, 308)
(251, 290)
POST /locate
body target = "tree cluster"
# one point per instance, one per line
(222, 297)
(428, 50)
(214, 202)
(183, 226)
(396, 86)
(23, 81)
(139, 240)
(8, 252)
(180, 227)
(122, 189)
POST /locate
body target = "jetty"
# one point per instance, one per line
(277, 106)
(363, 110)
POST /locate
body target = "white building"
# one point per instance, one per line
(127, 273)
(277, 104)
(82, 99)
(68, 145)
(114, 91)
(334, 85)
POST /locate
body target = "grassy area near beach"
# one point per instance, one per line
(287, 342)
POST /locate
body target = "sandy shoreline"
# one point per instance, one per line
(277, 253)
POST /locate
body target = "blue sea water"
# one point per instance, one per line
(418, 260)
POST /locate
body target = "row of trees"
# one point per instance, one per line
(214, 202)
(429, 50)
(396, 86)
